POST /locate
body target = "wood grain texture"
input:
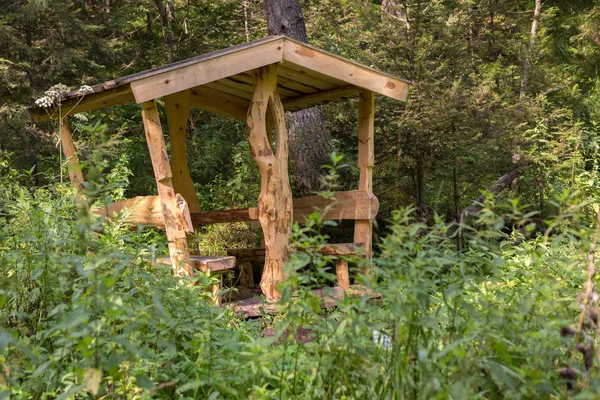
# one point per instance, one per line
(178, 108)
(275, 207)
(214, 264)
(363, 229)
(341, 272)
(209, 70)
(343, 70)
(341, 249)
(221, 103)
(70, 153)
(176, 224)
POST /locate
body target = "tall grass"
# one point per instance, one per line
(85, 314)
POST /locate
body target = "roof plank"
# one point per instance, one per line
(336, 67)
(209, 70)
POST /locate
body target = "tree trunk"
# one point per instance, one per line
(309, 141)
(166, 16)
(528, 56)
(503, 182)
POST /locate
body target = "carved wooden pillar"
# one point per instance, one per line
(178, 109)
(176, 222)
(68, 148)
(275, 201)
(363, 229)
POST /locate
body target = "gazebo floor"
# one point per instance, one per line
(255, 306)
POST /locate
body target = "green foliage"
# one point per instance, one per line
(86, 313)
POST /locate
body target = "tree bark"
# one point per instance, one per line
(528, 56)
(166, 16)
(309, 141)
(503, 182)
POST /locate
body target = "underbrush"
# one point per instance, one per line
(85, 314)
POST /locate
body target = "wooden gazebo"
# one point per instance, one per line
(255, 82)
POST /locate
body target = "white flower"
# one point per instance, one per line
(81, 118)
(52, 96)
(382, 339)
(85, 89)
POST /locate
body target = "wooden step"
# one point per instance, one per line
(216, 264)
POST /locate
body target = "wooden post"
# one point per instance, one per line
(341, 271)
(275, 206)
(178, 109)
(363, 229)
(176, 224)
(66, 140)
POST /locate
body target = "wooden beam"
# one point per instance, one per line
(88, 102)
(275, 208)
(220, 103)
(350, 205)
(363, 229)
(178, 109)
(299, 103)
(217, 217)
(317, 60)
(68, 148)
(210, 70)
(145, 210)
(176, 224)
(342, 249)
(353, 204)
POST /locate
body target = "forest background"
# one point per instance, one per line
(505, 95)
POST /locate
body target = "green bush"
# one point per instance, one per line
(86, 314)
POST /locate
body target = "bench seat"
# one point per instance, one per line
(216, 264)
(343, 249)
(245, 256)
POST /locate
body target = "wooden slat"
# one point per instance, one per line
(220, 103)
(316, 60)
(216, 217)
(221, 87)
(209, 70)
(342, 249)
(216, 264)
(311, 100)
(302, 77)
(246, 81)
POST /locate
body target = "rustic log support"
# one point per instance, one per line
(275, 205)
(178, 109)
(176, 224)
(363, 229)
(68, 148)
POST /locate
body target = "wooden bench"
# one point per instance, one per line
(217, 265)
(246, 256)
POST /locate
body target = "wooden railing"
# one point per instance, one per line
(351, 205)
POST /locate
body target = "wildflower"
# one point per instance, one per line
(81, 118)
(85, 89)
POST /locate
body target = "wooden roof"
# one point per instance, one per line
(221, 81)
